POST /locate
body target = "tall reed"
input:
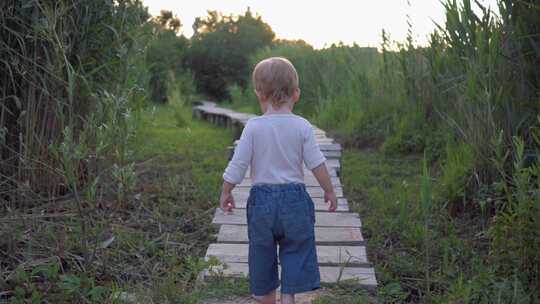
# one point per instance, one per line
(470, 99)
(55, 56)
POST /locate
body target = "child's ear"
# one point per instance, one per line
(259, 96)
(296, 95)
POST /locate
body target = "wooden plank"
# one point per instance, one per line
(333, 163)
(319, 203)
(322, 146)
(322, 219)
(324, 140)
(308, 181)
(314, 192)
(206, 103)
(240, 116)
(330, 147)
(361, 276)
(214, 110)
(323, 235)
(352, 256)
(328, 154)
(307, 173)
(332, 154)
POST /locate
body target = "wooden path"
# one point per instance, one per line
(340, 245)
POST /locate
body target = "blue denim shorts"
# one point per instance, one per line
(284, 215)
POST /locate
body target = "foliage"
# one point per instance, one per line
(220, 50)
(456, 172)
(52, 78)
(418, 249)
(469, 100)
(333, 81)
(166, 52)
(149, 247)
(167, 21)
(101, 197)
(179, 92)
(515, 250)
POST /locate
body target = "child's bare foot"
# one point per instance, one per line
(266, 299)
(287, 298)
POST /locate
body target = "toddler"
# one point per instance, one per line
(276, 146)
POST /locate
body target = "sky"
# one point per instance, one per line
(321, 23)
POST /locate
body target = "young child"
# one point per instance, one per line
(280, 212)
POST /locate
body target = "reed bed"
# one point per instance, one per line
(60, 59)
(469, 100)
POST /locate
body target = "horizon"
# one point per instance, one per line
(322, 24)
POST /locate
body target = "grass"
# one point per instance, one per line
(384, 191)
(62, 88)
(186, 164)
(150, 247)
(470, 99)
(421, 253)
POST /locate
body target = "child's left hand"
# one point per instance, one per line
(226, 201)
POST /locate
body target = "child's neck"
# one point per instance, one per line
(284, 109)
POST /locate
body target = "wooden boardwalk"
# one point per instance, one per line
(340, 246)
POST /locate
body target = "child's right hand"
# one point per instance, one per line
(331, 197)
(226, 201)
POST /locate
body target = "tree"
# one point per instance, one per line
(165, 54)
(221, 47)
(167, 21)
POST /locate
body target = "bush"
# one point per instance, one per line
(60, 57)
(456, 171)
(515, 249)
(165, 54)
(220, 50)
(332, 81)
(179, 93)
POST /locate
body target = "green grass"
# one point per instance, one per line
(421, 253)
(188, 164)
(385, 191)
(198, 145)
(151, 245)
(160, 135)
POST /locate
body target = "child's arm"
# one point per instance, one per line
(322, 176)
(236, 170)
(226, 201)
(314, 160)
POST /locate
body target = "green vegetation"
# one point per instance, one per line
(150, 246)
(469, 101)
(103, 197)
(422, 252)
(220, 50)
(321, 72)
(102, 192)
(52, 80)
(214, 58)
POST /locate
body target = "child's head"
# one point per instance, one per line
(276, 81)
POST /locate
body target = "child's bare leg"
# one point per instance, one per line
(270, 298)
(287, 298)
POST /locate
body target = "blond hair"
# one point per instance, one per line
(276, 79)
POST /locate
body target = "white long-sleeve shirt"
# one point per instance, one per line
(275, 147)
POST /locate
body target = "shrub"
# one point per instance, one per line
(165, 54)
(57, 55)
(456, 171)
(220, 50)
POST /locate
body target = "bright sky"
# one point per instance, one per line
(322, 23)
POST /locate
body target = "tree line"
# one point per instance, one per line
(215, 57)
